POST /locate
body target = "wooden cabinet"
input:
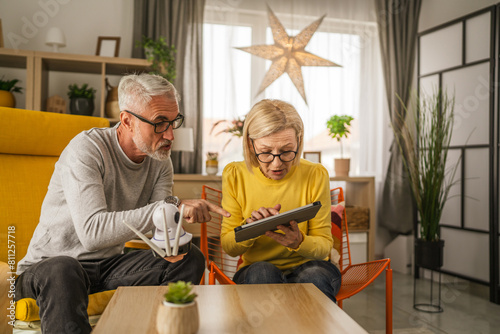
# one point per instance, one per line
(359, 191)
(38, 65)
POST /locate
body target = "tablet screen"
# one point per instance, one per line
(259, 227)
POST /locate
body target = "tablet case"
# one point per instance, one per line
(259, 227)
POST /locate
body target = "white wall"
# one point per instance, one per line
(436, 12)
(26, 22)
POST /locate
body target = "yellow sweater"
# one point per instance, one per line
(244, 192)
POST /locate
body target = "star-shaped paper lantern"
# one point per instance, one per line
(288, 54)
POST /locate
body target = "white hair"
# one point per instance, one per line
(135, 91)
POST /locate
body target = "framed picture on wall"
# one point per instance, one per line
(313, 156)
(108, 46)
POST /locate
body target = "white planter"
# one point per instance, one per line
(177, 318)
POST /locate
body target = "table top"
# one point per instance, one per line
(258, 308)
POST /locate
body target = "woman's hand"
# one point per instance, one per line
(264, 213)
(292, 237)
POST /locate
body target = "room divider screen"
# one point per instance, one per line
(460, 57)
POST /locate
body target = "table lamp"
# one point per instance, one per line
(183, 142)
(55, 38)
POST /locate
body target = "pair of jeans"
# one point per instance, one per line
(323, 274)
(61, 284)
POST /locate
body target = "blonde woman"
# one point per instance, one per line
(274, 179)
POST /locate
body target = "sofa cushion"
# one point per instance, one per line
(27, 310)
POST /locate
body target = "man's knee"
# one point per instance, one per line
(60, 271)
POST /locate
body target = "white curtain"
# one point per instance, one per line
(347, 36)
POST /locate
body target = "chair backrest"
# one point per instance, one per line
(30, 145)
(210, 236)
(340, 231)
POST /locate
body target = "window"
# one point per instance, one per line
(232, 78)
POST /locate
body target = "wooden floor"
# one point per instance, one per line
(466, 308)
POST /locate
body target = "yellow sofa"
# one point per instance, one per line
(30, 144)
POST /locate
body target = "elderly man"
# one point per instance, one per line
(103, 177)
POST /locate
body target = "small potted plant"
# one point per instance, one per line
(338, 127)
(212, 163)
(161, 55)
(7, 87)
(81, 99)
(178, 313)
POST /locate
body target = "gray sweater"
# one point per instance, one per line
(95, 186)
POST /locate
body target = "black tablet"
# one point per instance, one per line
(259, 227)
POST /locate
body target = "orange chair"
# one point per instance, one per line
(355, 277)
(221, 266)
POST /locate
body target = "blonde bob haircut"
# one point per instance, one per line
(267, 117)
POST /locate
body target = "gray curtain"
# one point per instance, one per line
(398, 27)
(180, 22)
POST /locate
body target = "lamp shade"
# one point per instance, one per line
(55, 38)
(183, 140)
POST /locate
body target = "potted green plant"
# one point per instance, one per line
(7, 88)
(81, 99)
(161, 55)
(178, 312)
(424, 140)
(338, 128)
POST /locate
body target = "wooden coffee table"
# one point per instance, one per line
(266, 308)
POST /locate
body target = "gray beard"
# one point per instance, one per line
(141, 145)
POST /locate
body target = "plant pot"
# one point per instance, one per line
(342, 167)
(429, 254)
(81, 106)
(212, 167)
(177, 318)
(7, 99)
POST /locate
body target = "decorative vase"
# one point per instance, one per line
(342, 167)
(429, 254)
(212, 167)
(177, 318)
(112, 108)
(7, 99)
(81, 106)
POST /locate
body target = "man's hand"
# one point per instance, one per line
(292, 237)
(198, 210)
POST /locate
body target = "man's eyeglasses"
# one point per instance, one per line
(163, 125)
(266, 158)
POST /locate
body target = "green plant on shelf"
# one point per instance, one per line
(10, 85)
(84, 91)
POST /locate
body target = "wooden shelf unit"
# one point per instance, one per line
(38, 64)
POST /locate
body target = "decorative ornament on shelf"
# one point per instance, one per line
(212, 163)
(288, 54)
(56, 104)
(178, 313)
(112, 108)
(7, 87)
(55, 38)
(338, 127)
(235, 128)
